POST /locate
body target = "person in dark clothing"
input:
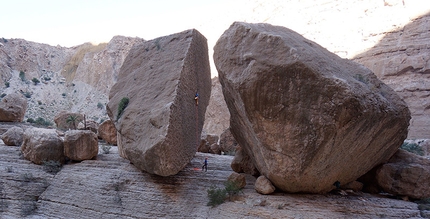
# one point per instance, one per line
(205, 165)
(196, 98)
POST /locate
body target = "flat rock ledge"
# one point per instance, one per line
(111, 187)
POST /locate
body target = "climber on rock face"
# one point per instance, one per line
(196, 98)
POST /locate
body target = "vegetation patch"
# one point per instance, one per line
(35, 81)
(413, 148)
(121, 106)
(22, 75)
(218, 196)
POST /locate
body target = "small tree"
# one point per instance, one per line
(22, 75)
(35, 81)
(72, 119)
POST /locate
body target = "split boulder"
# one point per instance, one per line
(306, 117)
(80, 145)
(12, 108)
(153, 102)
(40, 145)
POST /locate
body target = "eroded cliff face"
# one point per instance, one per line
(75, 79)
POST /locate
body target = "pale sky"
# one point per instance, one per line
(73, 22)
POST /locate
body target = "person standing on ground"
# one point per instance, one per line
(205, 165)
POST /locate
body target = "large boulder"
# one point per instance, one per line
(80, 145)
(227, 143)
(209, 144)
(13, 136)
(242, 163)
(68, 120)
(153, 103)
(89, 125)
(12, 108)
(405, 174)
(107, 132)
(306, 117)
(40, 145)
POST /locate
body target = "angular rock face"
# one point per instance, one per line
(242, 163)
(68, 120)
(306, 117)
(405, 174)
(159, 129)
(209, 144)
(80, 145)
(41, 145)
(12, 108)
(107, 132)
(13, 136)
(227, 143)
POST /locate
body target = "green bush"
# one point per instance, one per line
(31, 120)
(63, 94)
(413, 148)
(216, 196)
(121, 106)
(7, 84)
(42, 121)
(51, 166)
(35, 81)
(27, 94)
(47, 78)
(100, 105)
(232, 188)
(22, 75)
(2, 95)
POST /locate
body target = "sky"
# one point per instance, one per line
(70, 23)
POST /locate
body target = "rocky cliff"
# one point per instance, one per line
(75, 79)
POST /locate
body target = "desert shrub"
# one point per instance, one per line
(27, 94)
(7, 84)
(35, 81)
(39, 102)
(106, 149)
(42, 121)
(216, 196)
(72, 119)
(121, 106)
(2, 95)
(52, 166)
(413, 148)
(232, 188)
(361, 78)
(47, 78)
(100, 105)
(63, 94)
(31, 120)
(22, 75)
